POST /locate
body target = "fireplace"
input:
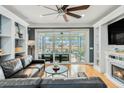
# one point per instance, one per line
(118, 73)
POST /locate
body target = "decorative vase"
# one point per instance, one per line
(20, 35)
(56, 69)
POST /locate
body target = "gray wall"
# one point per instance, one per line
(31, 36)
(31, 33)
(91, 45)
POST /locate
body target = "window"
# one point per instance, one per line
(58, 43)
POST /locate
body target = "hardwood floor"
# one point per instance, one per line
(90, 72)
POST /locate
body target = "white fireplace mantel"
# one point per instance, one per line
(115, 62)
(118, 64)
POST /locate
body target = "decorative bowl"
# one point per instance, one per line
(56, 69)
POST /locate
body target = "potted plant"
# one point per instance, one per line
(56, 67)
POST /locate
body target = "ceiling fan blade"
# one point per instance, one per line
(49, 8)
(64, 7)
(83, 7)
(73, 15)
(65, 18)
(50, 14)
(57, 7)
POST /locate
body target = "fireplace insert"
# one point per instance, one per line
(118, 73)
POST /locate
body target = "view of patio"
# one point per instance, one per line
(62, 46)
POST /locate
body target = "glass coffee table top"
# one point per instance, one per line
(62, 69)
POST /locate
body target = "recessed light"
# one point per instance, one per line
(82, 15)
(41, 15)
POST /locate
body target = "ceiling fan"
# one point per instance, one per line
(63, 10)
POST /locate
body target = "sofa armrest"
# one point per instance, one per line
(38, 61)
(20, 83)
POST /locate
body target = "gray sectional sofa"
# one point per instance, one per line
(21, 72)
(94, 82)
(20, 83)
(26, 73)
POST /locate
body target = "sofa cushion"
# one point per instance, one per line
(11, 67)
(20, 83)
(73, 83)
(26, 60)
(1, 74)
(38, 66)
(26, 73)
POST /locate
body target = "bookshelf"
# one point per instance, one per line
(5, 38)
(20, 39)
(13, 39)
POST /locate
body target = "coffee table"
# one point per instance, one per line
(63, 69)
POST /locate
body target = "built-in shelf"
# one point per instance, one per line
(5, 36)
(13, 35)
(11, 38)
(19, 52)
(19, 39)
(5, 54)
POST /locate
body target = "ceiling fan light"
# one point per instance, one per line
(82, 15)
(41, 16)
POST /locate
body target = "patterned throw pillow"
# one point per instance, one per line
(11, 67)
(26, 60)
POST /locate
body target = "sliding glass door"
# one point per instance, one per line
(62, 46)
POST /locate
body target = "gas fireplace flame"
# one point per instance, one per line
(119, 74)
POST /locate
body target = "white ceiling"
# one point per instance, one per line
(31, 14)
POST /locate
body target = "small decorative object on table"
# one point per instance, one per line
(56, 67)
